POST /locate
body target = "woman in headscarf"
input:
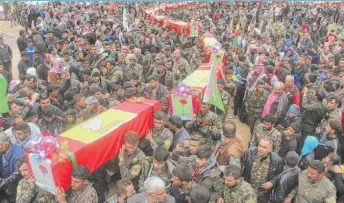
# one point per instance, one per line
(54, 75)
(308, 152)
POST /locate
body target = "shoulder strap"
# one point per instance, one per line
(81, 198)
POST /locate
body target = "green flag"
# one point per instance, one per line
(212, 94)
(3, 99)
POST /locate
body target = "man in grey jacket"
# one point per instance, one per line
(154, 192)
(6, 56)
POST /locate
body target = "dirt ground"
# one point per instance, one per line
(11, 34)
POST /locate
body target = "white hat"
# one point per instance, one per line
(31, 71)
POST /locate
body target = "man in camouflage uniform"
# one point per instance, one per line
(131, 158)
(27, 191)
(159, 165)
(166, 54)
(166, 76)
(261, 168)
(159, 135)
(81, 190)
(120, 63)
(170, 67)
(197, 56)
(266, 129)
(236, 189)
(155, 90)
(254, 103)
(114, 74)
(133, 67)
(205, 121)
(313, 186)
(181, 64)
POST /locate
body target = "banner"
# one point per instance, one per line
(198, 78)
(99, 126)
(182, 107)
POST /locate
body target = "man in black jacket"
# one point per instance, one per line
(44, 68)
(287, 180)
(22, 41)
(182, 183)
(261, 168)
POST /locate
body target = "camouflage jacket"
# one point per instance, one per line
(86, 195)
(241, 193)
(157, 93)
(162, 137)
(323, 191)
(27, 194)
(204, 123)
(209, 175)
(128, 71)
(115, 76)
(168, 81)
(149, 171)
(273, 134)
(255, 103)
(132, 165)
(183, 66)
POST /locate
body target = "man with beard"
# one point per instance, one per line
(261, 168)
(167, 53)
(124, 189)
(255, 102)
(159, 135)
(133, 67)
(164, 107)
(159, 165)
(313, 186)
(155, 90)
(166, 76)
(181, 64)
(170, 67)
(266, 129)
(81, 190)
(205, 121)
(175, 124)
(92, 104)
(236, 189)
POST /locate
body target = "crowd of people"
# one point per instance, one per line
(283, 72)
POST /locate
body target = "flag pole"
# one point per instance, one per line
(215, 92)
